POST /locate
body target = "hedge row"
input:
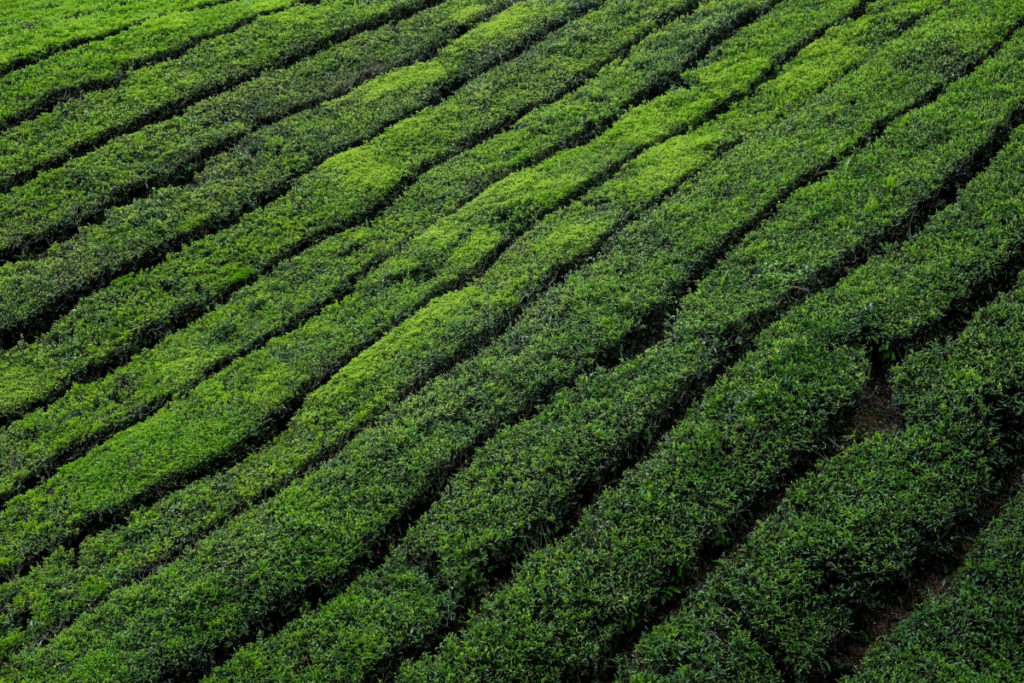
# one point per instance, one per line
(572, 601)
(868, 519)
(35, 30)
(311, 533)
(811, 70)
(241, 402)
(55, 202)
(304, 282)
(513, 495)
(153, 91)
(972, 630)
(136, 310)
(27, 91)
(824, 61)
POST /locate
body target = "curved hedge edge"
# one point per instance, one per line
(973, 629)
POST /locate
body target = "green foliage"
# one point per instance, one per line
(32, 30)
(317, 530)
(175, 149)
(130, 545)
(302, 283)
(105, 62)
(221, 61)
(514, 495)
(114, 321)
(865, 519)
(633, 545)
(973, 629)
(455, 339)
(246, 394)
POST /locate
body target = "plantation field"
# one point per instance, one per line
(512, 340)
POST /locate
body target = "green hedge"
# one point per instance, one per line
(241, 402)
(136, 310)
(311, 533)
(55, 202)
(36, 439)
(152, 91)
(29, 90)
(153, 535)
(574, 599)
(513, 495)
(867, 519)
(305, 281)
(34, 30)
(972, 630)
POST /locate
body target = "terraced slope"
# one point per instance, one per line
(511, 340)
